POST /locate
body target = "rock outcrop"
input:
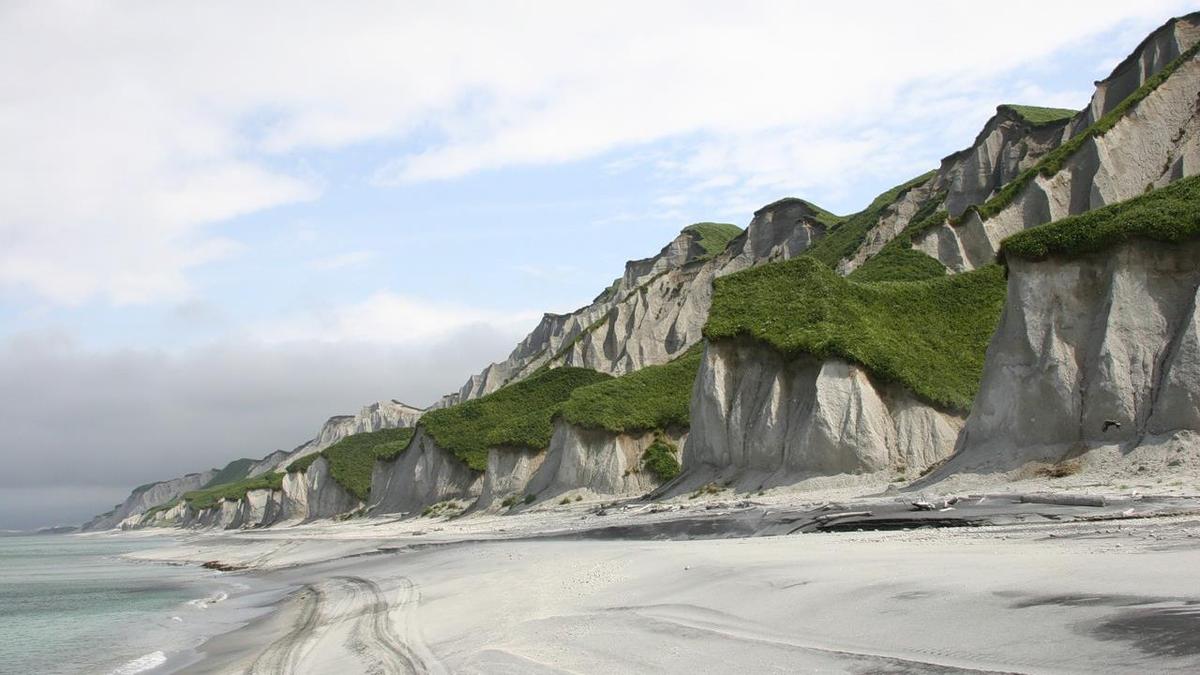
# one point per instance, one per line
(760, 420)
(1095, 351)
(390, 414)
(146, 497)
(658, 307)
(579, 461)
(424, 474)
(1151, 145)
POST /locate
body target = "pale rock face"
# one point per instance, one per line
(507, 475)
(324, 497)
(422, 475)
(1107, 337)
(599, 462)
(656, 310)
(760, 419)
(1156, 144)
(141, 501)
(389, 414)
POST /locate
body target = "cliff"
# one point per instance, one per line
(1097, 344)
(146, 497)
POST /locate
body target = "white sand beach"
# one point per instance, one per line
(1097, 590)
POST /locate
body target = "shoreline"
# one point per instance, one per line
(1088, 588)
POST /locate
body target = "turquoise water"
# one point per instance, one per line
(69, 605)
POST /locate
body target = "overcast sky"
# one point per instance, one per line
(222, 222)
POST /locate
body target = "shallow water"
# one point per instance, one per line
(69, 604)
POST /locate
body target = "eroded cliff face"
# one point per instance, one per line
(390, 414)
(422, 475)
(579, 461)
(658, 307)
(1103, 350)
(142, 500)
(1156, 143)
(760, 420)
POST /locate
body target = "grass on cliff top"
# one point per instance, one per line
(1169, 214)
(203, 499)
(714, 237)
(1053, 161)
(352, 459)
(518, 415)
(233, 471)
(655, 397)
(1038, 116)
(842, 239)
(897, 260)
(929, 336)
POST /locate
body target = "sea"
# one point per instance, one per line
(71, 604)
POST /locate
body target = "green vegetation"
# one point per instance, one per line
(714, 237)
(1037, 116)
(659, 459)
(301, 465)
(655, 397)
(141, 488)
(207, 497)
(929, 335)
(352, 459)
(1053, 161)
(515, 416)
(899, 264)
(233, 471)
(897, 260)
(1170, 214)
(843, 238)
(149, 513)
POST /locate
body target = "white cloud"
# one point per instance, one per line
(391, 318)
(129, 128)
(342, 261)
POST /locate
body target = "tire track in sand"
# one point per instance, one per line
(283, 655)
(391, 653)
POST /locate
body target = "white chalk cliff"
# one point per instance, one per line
(760, 420)
(1102, 350)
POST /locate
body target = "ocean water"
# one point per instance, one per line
(70, 605)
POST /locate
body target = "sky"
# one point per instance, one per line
(223, 222)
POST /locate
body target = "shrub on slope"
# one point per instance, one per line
(929, 336)
(655, 397)
(518, 415)
(842, 239)
(714, 237)
(207, 497)
(1169, 214)
(352, 459)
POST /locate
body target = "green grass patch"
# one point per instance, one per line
(1053, 161)
(301, 465)
(659, 459)
(655, 397)
(208, 497)
(842, 239)
(897, 260)
(713, 237)
(233, 471)
(929, 336)
(1037, 116)
(1170, 214)
(352, 459)
(518, 415)
(149, 513)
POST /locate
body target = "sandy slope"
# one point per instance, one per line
(483, 594)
